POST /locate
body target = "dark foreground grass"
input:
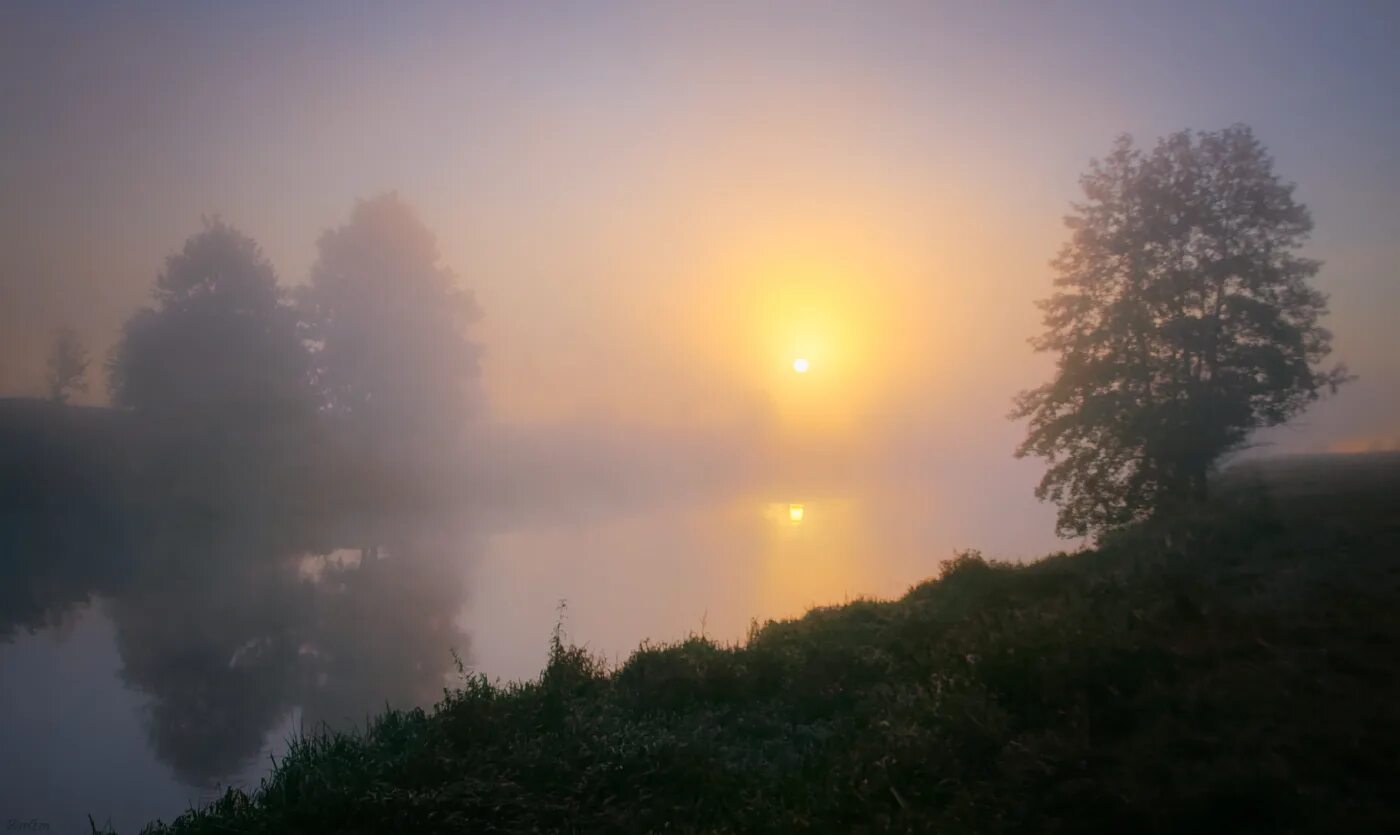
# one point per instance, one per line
(1231, 674)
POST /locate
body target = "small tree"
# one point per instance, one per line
(68, 365)
(1184, 319)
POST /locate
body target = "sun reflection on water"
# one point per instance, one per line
(809, 557)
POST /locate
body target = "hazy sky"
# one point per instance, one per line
(659, 206)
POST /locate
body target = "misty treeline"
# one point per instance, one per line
(1183, 319)
(266, 510)
(370, 360)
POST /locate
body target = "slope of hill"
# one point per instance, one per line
(1234, 672)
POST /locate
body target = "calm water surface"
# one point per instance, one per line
(143, 702)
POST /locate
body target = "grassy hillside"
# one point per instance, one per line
(1231, 673)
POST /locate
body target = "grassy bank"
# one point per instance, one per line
(1231, 673)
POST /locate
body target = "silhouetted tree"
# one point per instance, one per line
(388, 323)
(1183, 320)
(67, 366)
(219, 377)
(219, 346)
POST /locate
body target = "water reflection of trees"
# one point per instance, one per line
(227, 649)
(228, 627)
(251, 437)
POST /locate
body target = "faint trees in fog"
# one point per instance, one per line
(68, 363)
(219, 345)
(387, 321)
(195, 507)
(219, 376)
(351, 402)
(1184, 319)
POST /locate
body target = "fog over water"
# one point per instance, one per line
(586, 403)
(198, 671)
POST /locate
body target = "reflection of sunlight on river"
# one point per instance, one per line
(809, 558)
(670, 571)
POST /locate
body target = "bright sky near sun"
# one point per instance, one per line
(660, 207)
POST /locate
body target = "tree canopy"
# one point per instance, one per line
(219, 341)
(1183, 319)
(388, 322)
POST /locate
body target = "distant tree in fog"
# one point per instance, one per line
(1184, 319)
(219, 347)
(388, 323)
(67, 366)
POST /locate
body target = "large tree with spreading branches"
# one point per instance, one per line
(1183, 319)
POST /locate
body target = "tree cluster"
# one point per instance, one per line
(374, 348)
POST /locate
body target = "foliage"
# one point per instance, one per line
(67, 366)
(388, 323)
(219, 345)
(1183, 320)
(218, 378)
(1232, 672)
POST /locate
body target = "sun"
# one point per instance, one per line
(800, 365)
